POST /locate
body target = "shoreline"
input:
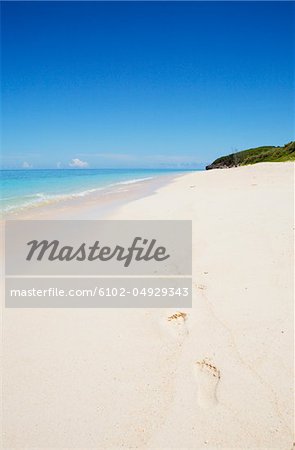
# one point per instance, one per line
(93, 205)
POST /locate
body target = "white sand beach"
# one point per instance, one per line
(218, 376)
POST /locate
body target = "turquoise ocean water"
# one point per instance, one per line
(21, 189)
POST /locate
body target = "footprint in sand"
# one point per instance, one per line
(176, 324)
(201, 286)
(208, 377)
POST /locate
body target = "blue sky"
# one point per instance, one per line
(144, 84)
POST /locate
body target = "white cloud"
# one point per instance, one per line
(26, 165)
(76, 162)
(58, 165)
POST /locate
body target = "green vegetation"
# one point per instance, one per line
(256, 155)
